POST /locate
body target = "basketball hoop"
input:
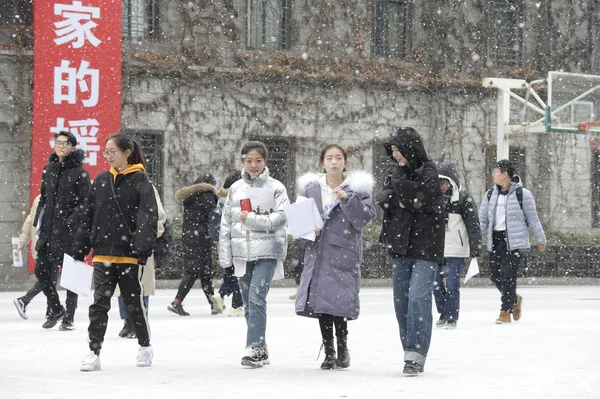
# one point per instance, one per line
(585, 126)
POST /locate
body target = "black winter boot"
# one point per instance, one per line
(343, 360)
(127, 328)
(330, 361)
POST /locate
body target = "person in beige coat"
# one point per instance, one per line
(148, 278)
(29, 236)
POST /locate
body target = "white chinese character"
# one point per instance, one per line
(68, 82)
(85, 131)
(71, 29)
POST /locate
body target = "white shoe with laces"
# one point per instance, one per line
(145, 356)
(91, 362)
(236, 312)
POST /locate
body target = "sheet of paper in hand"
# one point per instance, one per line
(76, 276)
(262, 201)
(17, 254)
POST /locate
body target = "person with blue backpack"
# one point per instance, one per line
(199, 201)
(506, 214)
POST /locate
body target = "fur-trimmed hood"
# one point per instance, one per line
(222, 192)
(359, 181)
(73, 159)
(186, 192)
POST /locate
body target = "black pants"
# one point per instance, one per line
(504, 266)
(194, 269)
(327, 321)
(46, 271)
(106, 278)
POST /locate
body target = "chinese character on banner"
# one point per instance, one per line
(70, 29)
(71, 78)
(85, 131)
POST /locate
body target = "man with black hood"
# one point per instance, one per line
(65, 184)
(413, 230)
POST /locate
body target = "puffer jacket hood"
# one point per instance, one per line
(447, 170)
(410, 145)
(186, 192)
(72, 160)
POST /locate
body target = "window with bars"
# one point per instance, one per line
(151, 143)
(391, 28)
(269, 24)
(506, 41)
(16, 12)
(140, 19)
(282, 161)
(595, 188)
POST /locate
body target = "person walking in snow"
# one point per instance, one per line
(65, 184)
(506, 214)
(463, 239)
(230, 284)
(330, 282)
(256, 245)
(119, 222)
(413, 230)
(148, 277)
(199, 200)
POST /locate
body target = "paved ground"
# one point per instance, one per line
(551, 352)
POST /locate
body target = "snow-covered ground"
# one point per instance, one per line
(553, 351)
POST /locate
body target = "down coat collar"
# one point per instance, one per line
(73, 159)
(359, 181)
(186, 192)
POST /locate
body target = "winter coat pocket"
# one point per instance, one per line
(343, 253)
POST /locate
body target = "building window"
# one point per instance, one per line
(391, 28)
(282, 161)
(140, 19)
(151, 143)
(506, 40)
(595, 188)
(516, 156)
(16, 12)
(269, 24)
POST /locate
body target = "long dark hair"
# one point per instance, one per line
(124, 143)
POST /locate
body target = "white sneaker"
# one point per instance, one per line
(236, 312)
(91, 362)
(216, 305)
(144, 358)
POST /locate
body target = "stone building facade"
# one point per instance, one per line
(202, 77)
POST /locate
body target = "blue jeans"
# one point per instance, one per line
(254, 287)
(412, 281)
(123, 311)
(447, 297)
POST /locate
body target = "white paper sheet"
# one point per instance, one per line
(473, 269)
(76, 276)
(303, 217)
(17, 254)
(261, 199)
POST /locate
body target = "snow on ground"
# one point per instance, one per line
(552, 352)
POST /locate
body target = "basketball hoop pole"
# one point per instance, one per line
(503, 118)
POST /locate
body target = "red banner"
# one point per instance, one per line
(77, 79)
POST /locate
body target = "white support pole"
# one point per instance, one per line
(502, 143)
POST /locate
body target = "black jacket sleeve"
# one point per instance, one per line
(421, 194)
(85, 219)
(147, 222)
(469, 213)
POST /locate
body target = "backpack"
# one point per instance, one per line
(164, 246)
(214, 222)
(518, 191)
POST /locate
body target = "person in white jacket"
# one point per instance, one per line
(29, 236)
(256, 245)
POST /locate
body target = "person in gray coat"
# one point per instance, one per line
(256, 245)
(330, 282)
(505, 216)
